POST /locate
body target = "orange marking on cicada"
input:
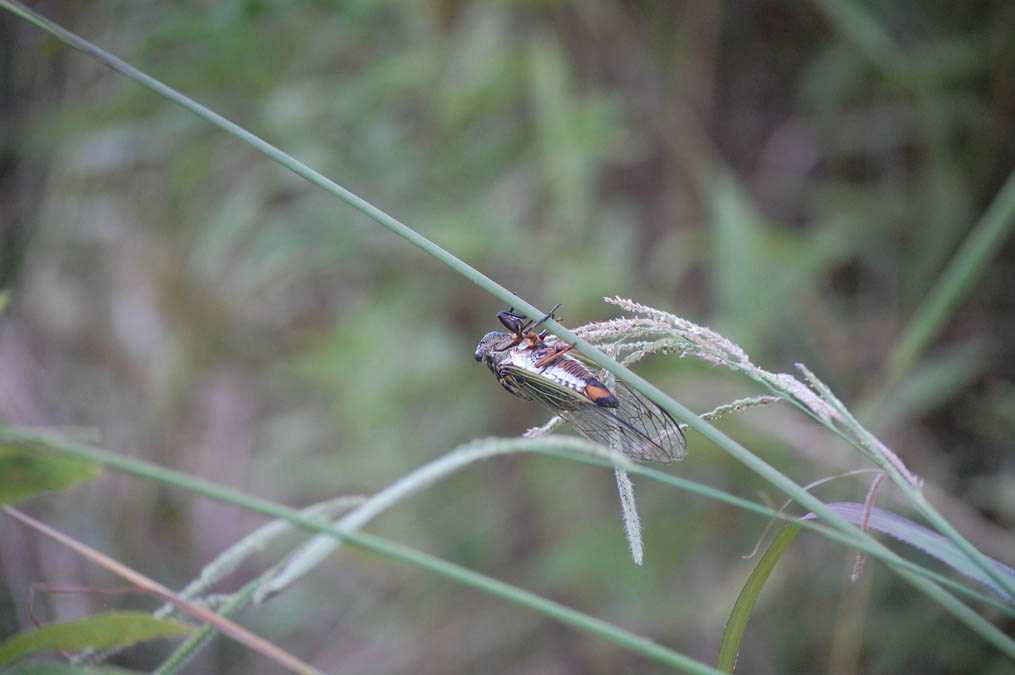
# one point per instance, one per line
(600, 395)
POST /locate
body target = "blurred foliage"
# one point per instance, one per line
(25, 472)
(795, 175)
(105, 630)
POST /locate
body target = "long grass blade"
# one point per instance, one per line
(729, 649)
(969, 263)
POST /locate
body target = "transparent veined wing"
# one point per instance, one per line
(655, 423)
(637, 427)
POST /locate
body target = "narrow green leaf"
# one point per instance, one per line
(859, 26)
(928, 541)
(970, 262)
(929, 384)
(104, 630)
(25, 472)
(735, 627)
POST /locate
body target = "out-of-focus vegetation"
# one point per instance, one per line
(795, 175)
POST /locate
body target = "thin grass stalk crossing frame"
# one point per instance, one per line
(769, 473)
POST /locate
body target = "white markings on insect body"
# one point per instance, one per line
(526, 359)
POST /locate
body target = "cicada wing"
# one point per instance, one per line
(638, 428)
(654, 422)
(534, 387)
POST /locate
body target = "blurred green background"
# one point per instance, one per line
(794, 175)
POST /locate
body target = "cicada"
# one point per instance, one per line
(621, 418)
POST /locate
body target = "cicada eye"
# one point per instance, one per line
(479, 354)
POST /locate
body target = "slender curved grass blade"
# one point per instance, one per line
(103, 630)
(928, 541)
(735, 627)
(24, 472)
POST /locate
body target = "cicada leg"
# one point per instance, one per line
(551, 358)
(517, 324)
(535, 340)
(522, 328)
(508, 345)
(513, 321)
(541, 321)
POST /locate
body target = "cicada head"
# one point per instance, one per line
(492, 346)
